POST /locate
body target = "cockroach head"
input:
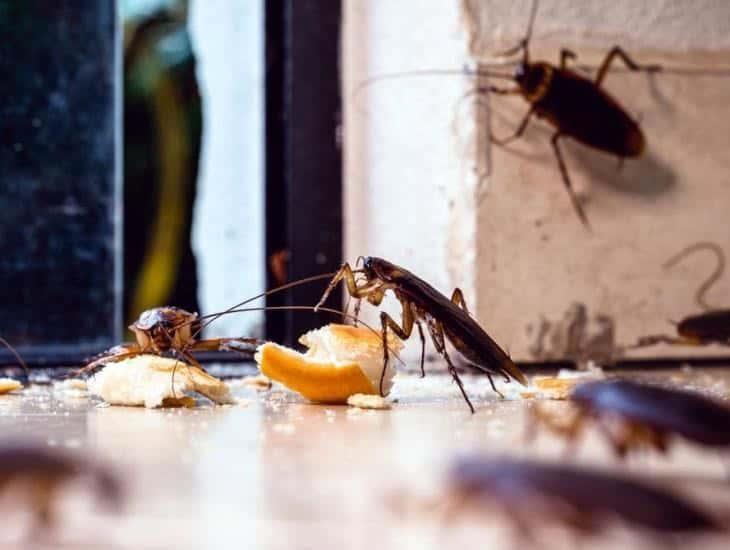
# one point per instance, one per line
(368, 266)
(532, 78)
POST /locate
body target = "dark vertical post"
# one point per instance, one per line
(276, 203)
(60, 187)
(311, 159)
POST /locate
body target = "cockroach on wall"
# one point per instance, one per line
(633, 415)
(711, 327)
(573, 105)
(445, 319)
(529, 493)
(576, 107)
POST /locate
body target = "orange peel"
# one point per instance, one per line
(341, 361)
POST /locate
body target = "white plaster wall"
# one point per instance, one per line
(228, 230)
(405, 141)
(414, 149)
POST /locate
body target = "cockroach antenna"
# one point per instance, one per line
(713, 277)
(17, 356)
(523, 45)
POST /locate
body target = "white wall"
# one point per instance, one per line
(228, 230)
(405, 181)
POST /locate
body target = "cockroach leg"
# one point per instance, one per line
(457, 378)
(404, 332)
(222, 344)
(619, 442)
(517, 133)
(132, 350)
(457, 297)
(652, 340)
(571, 430)
(615, 52)
(566, 54)
(437, 336)
(346, 274)
(566, 180)
(356, 310)
(423, 346)
(491, 383)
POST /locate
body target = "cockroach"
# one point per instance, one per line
(45, 470)
(711, 327)
(171, 329)
(575, 106)
(588, 501)
(633, 415)
(166, 329)
(422, 304)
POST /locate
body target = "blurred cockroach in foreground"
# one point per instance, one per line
(711, 327)
(576, 107)
(529, 493)
(632, 415)
(421, 303)
(43, 471)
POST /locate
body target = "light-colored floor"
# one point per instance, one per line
(275, 472)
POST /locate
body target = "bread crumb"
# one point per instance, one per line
(365, 401)
(554, 388)
(8, 384)
(71, 388)
(258, 382)
(71, 384)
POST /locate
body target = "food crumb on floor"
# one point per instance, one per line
(8, 385)
(366, 401)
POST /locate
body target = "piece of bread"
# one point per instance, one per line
(341, 361)
(8, 384)
(147, 380)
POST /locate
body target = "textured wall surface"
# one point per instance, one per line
(512, 238)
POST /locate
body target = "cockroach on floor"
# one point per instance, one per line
(423, 304)
(167, 329)
(587, 501)
(711, 327)
(171, 329)
(44, 471)
(576, 107)
(633, 415)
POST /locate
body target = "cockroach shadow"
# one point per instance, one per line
(646, 176)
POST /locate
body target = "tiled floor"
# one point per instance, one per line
(275, 472)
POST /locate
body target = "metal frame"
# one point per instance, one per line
(303, 157)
